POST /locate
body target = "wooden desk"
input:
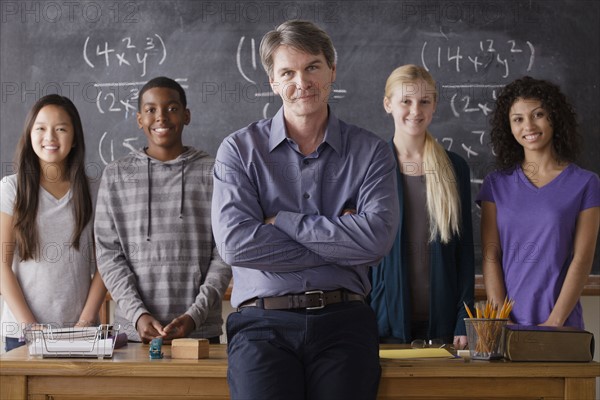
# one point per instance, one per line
(131, 375)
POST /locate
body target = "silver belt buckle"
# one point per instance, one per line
(321, 299)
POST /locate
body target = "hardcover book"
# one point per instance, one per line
(545, 343)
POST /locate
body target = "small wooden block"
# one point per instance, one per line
(191, 349)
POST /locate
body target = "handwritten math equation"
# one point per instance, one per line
(135, 57)
(489, 53)
(125, 53)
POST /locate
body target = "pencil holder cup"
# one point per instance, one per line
(486, 338)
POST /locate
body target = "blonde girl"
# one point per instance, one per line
(420, 286)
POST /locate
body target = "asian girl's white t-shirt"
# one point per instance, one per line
(56, 282)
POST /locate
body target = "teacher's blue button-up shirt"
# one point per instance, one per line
(260, 173)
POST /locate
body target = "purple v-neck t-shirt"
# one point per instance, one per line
(537, 231)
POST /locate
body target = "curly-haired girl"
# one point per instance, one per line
(540, 211)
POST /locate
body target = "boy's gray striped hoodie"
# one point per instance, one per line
(155, 249)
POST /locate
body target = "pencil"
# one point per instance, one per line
(468, 310)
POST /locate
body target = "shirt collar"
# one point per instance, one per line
(333, 136)
(278, 132)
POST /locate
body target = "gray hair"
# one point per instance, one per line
(301, 35)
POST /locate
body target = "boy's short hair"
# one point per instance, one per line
(298, 34)
(162, 81)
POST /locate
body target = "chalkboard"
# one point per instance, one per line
(99, 53)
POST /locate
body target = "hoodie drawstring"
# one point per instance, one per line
(150, 195)
(149, 200)
(182, 188)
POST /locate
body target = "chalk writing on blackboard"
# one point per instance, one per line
(126, 52)
(238, 58)
(487, 53)
(465, 105)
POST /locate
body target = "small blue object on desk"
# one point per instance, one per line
(155, 349)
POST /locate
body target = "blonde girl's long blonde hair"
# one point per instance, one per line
(443, 203)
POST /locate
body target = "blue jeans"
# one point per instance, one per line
(12, 343)
(328, 354)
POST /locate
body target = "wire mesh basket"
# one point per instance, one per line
(84, 342)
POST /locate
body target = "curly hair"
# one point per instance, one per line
(566, 138)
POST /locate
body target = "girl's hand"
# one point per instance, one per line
(548, 323)
(460, 342)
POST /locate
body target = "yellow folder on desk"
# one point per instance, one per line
(414, 353)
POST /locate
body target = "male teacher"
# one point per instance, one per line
(303, 204)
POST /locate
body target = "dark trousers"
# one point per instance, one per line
(12, 343)
(328, 354)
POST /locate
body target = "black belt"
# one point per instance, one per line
(311, 300)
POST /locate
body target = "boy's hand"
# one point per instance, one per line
(180, 327)
(149, 328)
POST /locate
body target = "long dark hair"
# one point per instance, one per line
(28, 180)
(566, 138)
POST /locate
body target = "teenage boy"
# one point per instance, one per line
(155, 249)
(303, 205)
